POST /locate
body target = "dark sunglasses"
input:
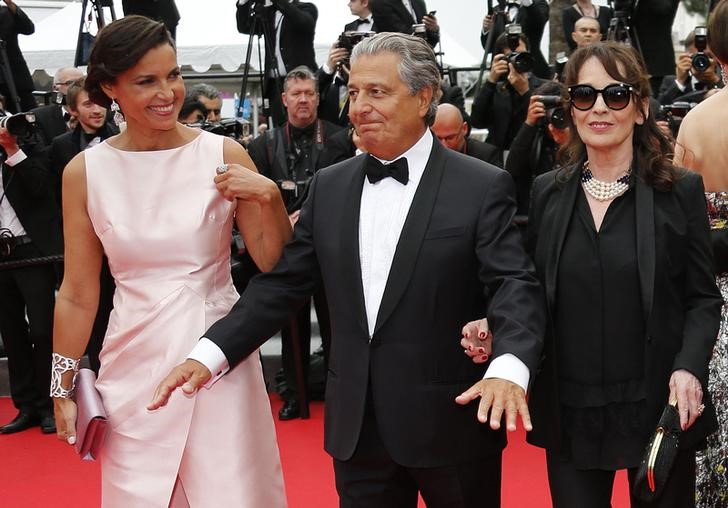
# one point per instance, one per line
(616, 96)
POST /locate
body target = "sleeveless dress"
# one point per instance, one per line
(166, 232)
(711, 488)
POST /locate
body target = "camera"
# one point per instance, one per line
(559, 64)
(419, 30)
(623, 6)
(674, 113)
(20, 125)
(701, 61)
(228, 127)
(348, 40)
(523, 61)
(555, 114)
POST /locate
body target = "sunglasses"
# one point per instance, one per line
(616, 96)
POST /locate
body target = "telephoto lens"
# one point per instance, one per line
(19, 125)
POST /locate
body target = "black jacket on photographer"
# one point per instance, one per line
(290, 156)
(393, 16)
(693, 91)
(11, 25)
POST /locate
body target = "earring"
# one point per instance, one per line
(118, 115)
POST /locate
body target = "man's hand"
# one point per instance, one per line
(686, 390)
(238, 182)
(487, 23)
(682, 69)
(536, 110)
(498, 395)
(190, 375)
(336, 55)
(8, 142)
(518, 81)
(430, 23)
(477, 340)
(499, 68)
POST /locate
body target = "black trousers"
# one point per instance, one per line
(371, 479)
(573, 488)
(303, 321)
(28, 342)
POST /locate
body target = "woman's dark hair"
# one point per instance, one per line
(718, 31)
(74, 90)
(118, 47)
(653, 152)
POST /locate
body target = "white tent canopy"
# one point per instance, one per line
(206, 35)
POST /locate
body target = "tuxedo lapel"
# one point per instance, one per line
(419, 7)
(351, 263)
(645, 211)
(402, 11)
(555, 223)
(413, 233)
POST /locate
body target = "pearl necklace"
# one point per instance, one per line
(604, 191)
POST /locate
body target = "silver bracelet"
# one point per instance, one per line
(59, 366)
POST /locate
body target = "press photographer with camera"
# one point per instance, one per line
(55, 118)
(290, 155)
(696, 71)
(584, 9)
(30, 228)
(533, 151)
(502, 102)
(452, 130)
(14, 22)
(406, 17)
(652, 21)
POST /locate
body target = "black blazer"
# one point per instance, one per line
(50, 123)
(328, 108)
(354, 26)
(484, 151)
(28, 189)
(393, 16)
(297, 30)
(681, 302)
(457, 244)
(653, 23)
(160, 10)
(10, 26)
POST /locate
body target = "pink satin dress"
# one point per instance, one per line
(166, 232)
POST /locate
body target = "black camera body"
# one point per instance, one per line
(559, 64)
(555, 114)
(348, 40)
(701, 61)
(674, 113)
(521, 61)
(20, 125)
(228, 127)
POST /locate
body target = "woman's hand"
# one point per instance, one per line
(477, 340)
(686, 390)
(65, 412)
(238, 182)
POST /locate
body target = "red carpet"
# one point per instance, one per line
(36, 471)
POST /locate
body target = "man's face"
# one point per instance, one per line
(450, 131)
(214, 106)
(64, 79)
(585, 32)
(388, 118)
(301, 100)
(91, 116)
(359, 8)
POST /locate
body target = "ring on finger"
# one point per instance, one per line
(221, 169)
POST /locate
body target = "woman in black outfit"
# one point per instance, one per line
(621, 244)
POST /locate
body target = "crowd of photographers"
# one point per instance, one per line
(519, 102)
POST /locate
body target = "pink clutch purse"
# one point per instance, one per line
(91, 417)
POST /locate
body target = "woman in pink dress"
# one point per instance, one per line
(151, 201)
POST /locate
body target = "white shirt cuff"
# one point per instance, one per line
(16, 158)
(328, 70)
(680, 86)
(211, 356)
(510, 368)
(526, 3)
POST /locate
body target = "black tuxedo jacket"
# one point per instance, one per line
(10, 26)
(28, 189)
(297, 30)
(681, 302)
(457, 243)
(161, 10)
(328, 108)
(50, 122)
(652, 22)
(354, 26)
(484, 152)
(393, 16)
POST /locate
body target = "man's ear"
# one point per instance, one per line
(283, 99)
(425, 98)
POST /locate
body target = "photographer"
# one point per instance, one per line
(290, 27)
(452, 131)
(502, 101)
(533, 151)
(209, 96)
(30, 227)
(290, 155)
(584, 9)
(652, 22)
(332, 78)
(401, 15)
(13, 22)
(532, 15)
(688, 77)
(55, 118)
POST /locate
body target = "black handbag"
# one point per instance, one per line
(654, 470)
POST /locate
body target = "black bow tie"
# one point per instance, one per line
(376, 171)
(362, 21)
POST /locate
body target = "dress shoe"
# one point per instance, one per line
(289, 411)
(47, 424)
(20, 423)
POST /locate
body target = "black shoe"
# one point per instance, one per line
(289, 411)
(48, 424)
(20, 423)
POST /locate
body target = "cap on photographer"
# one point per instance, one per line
(696, 71)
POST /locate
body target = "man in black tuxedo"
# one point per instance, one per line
(364, 21)
(30, 227)
(290, 26)
(400, 15)
(159, 10)
(407, 251)
(13, 21)
(55, 119)
(653, 22)
(452, 131)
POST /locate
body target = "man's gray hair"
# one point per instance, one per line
(417, 67)
(300, 72)
(204, 90)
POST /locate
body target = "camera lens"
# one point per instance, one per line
(522, 62)
(701, 62)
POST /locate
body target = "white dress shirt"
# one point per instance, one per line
(8, 218)
(382, 213)
(408, 6)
